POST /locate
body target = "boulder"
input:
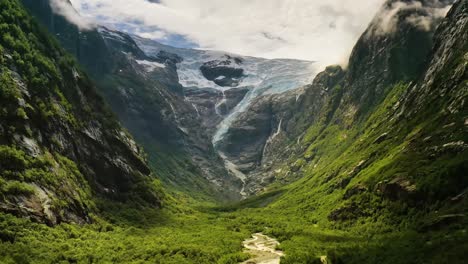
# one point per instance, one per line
(396, 189)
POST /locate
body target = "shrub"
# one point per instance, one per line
(12, 159)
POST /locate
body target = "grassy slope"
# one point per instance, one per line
(167, 237)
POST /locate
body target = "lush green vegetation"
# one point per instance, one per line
(342, 208)
(45, 100)
(181, 235)
(165, 238)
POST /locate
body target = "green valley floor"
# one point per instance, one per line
(213, 234)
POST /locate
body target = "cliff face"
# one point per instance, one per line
(60, 148)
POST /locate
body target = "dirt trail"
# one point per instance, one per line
(262, 248)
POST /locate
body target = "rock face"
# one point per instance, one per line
(246, 138)
(396, 189)
(60, 147)
(212, 105)
(225, 73)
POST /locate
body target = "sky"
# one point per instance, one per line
(316, 30)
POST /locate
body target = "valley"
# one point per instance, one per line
(119, 149)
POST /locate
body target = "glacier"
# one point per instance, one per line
(261, 76)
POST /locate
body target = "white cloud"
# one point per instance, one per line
(423, 17)
(322, 31)
(65, 9)
(151, 35)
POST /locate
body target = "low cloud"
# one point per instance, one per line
(65, 9)
(422, 17)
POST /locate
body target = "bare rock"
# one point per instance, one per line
(396, 189)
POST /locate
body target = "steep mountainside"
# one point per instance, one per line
(390, 52)
(394, 155)
(145, 94)
(61, 148)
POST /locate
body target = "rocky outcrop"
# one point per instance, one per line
(247, 136)
(225, 73)
(346, 213)
(212, 105)
(355, 190)
(396, 189)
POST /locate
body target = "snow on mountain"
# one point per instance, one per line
(150, 65)
(223, 71)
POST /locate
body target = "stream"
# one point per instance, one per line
(232, 168)
(262, 248)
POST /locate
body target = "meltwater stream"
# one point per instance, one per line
(262, 248)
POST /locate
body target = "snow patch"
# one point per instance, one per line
(150, 65)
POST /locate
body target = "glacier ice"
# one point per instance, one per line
(262, 76)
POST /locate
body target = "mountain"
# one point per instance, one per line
(61, 148)
(178, 103)
(363, 164)
(277, 127)
(387, 146)
(221, 87)
(143, 92)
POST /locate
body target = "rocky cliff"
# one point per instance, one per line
(61, 148)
